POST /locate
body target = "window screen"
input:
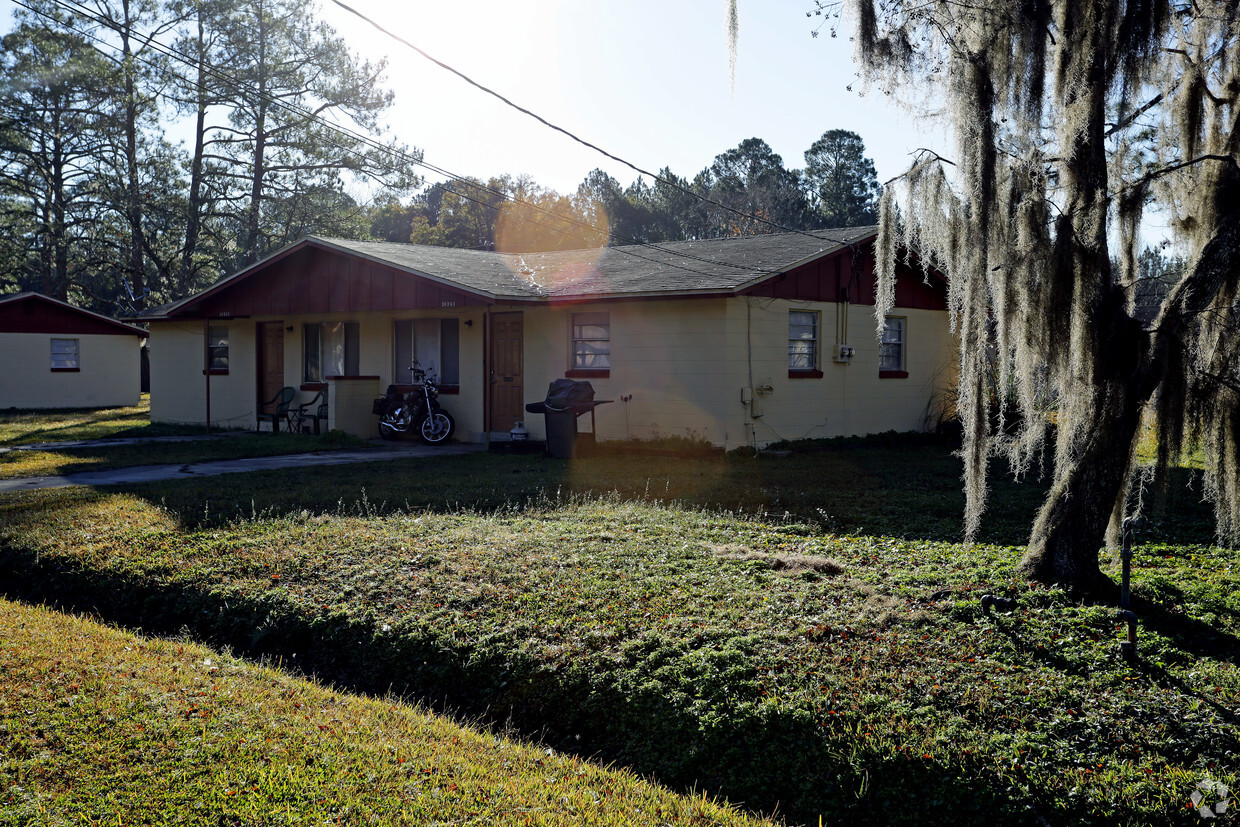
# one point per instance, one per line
(802, 340)
(891, 346)
(217, 347)
(330, 349)
(591, 341)
(434, 343)
(64, 354)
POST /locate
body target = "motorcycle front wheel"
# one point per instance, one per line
(437, 427)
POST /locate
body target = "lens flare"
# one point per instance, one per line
(557, 248)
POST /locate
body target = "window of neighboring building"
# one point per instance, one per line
(435, 344)
(65, 354)
(891, 349)
(217, 348)
(330, 349)
(591, 344)
(803, 343)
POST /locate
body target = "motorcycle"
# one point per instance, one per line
(418, 413)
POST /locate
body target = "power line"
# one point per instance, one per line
(563, 131)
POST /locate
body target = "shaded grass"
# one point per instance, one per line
(25, 427)
(905, 486)
(800, 632)
(99, 725)
(75, 425)
(66, 461)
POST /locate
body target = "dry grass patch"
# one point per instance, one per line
(786, 563)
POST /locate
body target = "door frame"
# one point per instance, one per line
(260, 362)
(488, 342)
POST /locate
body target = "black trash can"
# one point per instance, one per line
(561, 433)
(566, 400)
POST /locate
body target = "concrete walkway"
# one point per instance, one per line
(375, 452)
(126, 440)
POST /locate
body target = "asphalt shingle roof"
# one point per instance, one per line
(711, 265)
(718, 265)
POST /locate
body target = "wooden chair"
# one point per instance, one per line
(312, 411)
(282, 401)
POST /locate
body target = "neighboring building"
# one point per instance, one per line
(741, 341)
(60, 356)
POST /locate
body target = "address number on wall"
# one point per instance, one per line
(447, 304)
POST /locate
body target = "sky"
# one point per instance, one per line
(646, 80)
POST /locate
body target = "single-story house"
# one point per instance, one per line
(736, 341)
(60, 356)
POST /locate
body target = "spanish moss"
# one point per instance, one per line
(1069, 119)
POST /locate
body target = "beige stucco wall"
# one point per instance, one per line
(179, 388)
(109, 373)
(850, 398)
(688, 368)
(691, 367)
(671, 358)
(178, 385)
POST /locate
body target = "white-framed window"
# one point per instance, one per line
(803, 341)
(434, 343)
(65, 353)
(330, 349)
(591, 341)
(891, 345)
(217, 348)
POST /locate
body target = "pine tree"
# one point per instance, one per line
(54, 93)
(841, 180)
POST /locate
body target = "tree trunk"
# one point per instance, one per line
(1086, 495)
(253, 216)
(193, 209)
(1105, 357)
(133, 188)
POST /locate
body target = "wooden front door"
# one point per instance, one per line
(507, 371)
(270, 363)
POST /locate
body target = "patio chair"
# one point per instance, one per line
(282, 402)
(312, 411)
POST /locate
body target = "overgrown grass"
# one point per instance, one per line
(801, 633)
(100, 726)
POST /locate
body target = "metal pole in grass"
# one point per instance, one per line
(1127, 648)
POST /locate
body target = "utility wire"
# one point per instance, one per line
(563, 131)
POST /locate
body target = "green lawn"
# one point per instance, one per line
(803, 635)
(37, 427)
(24, 427)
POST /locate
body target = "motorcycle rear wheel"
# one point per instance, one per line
(437, 427)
